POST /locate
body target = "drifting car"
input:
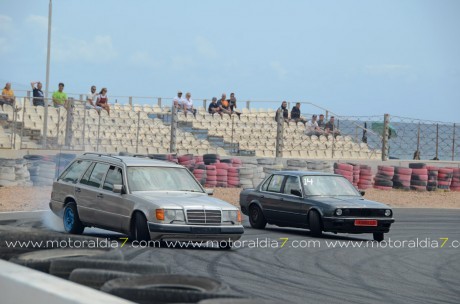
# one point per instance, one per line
(320, 202)
(144, 198)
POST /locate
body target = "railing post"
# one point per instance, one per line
(69, 123)
(45, 125)
(131, 101)
(172, 142)
(137, 131)
(204, 104)
(327, 115)
(159, 102)
(453, 144)
(279, 134)
(248, 104)
(386, 135)
(437, 140)
(98, 132)
(418, 138)
(84, 127)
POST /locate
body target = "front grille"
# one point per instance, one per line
(200, 217)
(364, 212)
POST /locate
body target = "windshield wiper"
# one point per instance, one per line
(188, 190)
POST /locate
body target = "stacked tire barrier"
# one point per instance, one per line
(365, 177)
(13, 172)
(432, 178)
(346, 170)
(296, 164)
(356, 173)
(320, 166)
(419, 177)
(383, 180)
(445, 178)
(211, 176)
(200, 174)
(222, 174)
(455, 184)
(402, 178)
(42, 170)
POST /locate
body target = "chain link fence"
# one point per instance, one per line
(157, 128)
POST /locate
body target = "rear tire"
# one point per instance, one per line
(140, 230)
(378, 236)
(315, 224)
(72, 223)
(257, 218)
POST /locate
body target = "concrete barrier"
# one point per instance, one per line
(20, 284)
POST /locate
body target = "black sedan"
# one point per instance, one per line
(316, 201)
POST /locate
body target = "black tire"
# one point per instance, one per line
(140, 230)
(378, 236)
(167, 289)
(417, 165)
(256, 217)
(384, 183)
(71, 220)
(418, 183)
(63, 267)
(315, 224)
(41, 260)
(95, 278)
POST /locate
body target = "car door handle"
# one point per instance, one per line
(100, 195)
(77, 189)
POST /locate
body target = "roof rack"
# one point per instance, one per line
(102, 154)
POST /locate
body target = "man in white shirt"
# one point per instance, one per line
(178, 101)
(187, 105)
(312, 128)
(91, 99)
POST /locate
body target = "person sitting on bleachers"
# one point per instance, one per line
(312, 128)
(321, 122)
(59, 97)
(285, 111)
(330, 127)
(295, 114)
(39, 97)
(178, 101)
(214, 108)
(224, 105)
(187, 105)
(91, 100)
(232, 103)
(7, 95)
(103, 100)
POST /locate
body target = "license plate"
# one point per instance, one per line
(368, 223)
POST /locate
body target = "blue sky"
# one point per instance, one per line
(352, 57)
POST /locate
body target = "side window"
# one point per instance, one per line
(265, 185)
(292, 183)
(73, 173)
(114, 177)
(96, 176)
(275, 183)
(85, 178)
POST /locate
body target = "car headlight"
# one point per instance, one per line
(233, 216)
(170, 215)
(387, 212)
(338, 212)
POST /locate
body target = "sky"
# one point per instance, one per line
(353, 57)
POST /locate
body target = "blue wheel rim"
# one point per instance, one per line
(69, 219)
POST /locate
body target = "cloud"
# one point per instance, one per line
(279, 69)
(205, 47)
(181, 63)
(386, 69)
(99, 49)
(36, 21)
(143, 59)
(6, 24)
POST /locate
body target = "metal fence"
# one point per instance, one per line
(156, 128)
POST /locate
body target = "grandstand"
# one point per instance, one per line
(146, 129)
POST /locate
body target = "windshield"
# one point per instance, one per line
(161, 179)
(328, 186)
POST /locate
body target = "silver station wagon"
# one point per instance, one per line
(144, 198)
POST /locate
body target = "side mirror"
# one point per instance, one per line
(296, 192)
(362, 193)
(209, 191)
(117, 189)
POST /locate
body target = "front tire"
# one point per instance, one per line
(315, 224)
(257, 218)
(140, 228)
(72, 223)
(378, 236)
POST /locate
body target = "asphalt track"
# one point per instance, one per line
(322, 273)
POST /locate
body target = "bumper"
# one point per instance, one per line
(347, 225)
(194, 232)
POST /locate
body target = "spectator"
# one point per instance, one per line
(103, 100)
(214, 108)
(285, 111)
(232, 102)
(224, 105)
(312, 127)
(7, 95)
(330, 127)
(39, 97)
(295, 114)
(91, 99)
(321, 122)
(178, 101)
(187, 105)
(59, 97)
